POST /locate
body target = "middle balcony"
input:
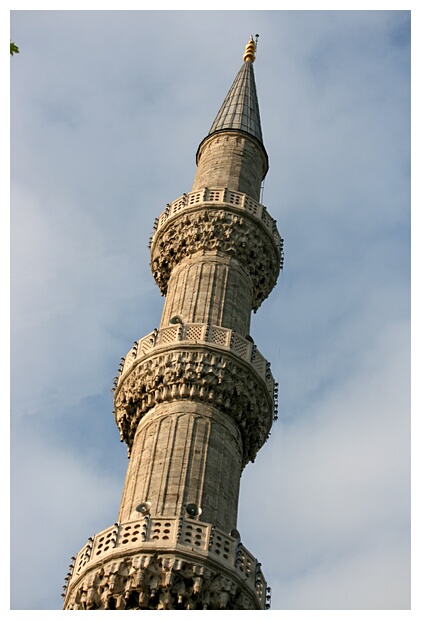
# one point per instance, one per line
(203, 363)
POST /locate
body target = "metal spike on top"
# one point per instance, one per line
(250, 53)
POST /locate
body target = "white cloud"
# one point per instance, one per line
(342, 478)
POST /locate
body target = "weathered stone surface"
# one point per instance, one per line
(210, 288)
(231, 159)
(185, 452)
(159, 582)
(152, 563)
(194, 373)
(215, 336)
(210, 229)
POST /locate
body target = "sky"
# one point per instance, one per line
(107, 110)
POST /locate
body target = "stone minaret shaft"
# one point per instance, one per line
(194, 400)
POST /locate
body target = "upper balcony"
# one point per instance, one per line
(220, 222)
(221, 196)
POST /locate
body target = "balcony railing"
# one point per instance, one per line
(222, 337)
(172, 534)
(221, 196)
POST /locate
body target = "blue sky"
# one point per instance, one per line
(107, 111)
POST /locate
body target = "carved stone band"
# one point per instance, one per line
(208, 228)
(200, 373)
(165, 563)
(216, 335)
(221, 196)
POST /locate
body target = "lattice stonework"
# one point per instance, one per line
(194, 332)
(241, 347)
(219, 336)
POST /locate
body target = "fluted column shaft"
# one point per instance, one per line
(185, 452)
(210, 288)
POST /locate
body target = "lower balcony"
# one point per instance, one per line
(169, 563)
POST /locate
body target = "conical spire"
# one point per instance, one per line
(232, 155)
(240, 109)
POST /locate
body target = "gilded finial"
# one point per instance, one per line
(250, 53)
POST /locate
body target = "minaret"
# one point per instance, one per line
(194, 400)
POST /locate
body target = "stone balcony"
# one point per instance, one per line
(200, 333)
(230, 224)
(204, 363)
(221, 196)
(177, 542)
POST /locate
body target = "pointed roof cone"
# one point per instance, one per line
(240, 109)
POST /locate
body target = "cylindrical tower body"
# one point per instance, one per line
(209, 288)
(194, 400)
(231, 159)
(185, 452)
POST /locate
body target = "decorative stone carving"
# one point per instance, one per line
(196, 374)
(187, 333)
(156, 581)
(216, 229)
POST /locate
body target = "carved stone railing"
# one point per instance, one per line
(111, 556)
(222, 337)
(220, 195)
